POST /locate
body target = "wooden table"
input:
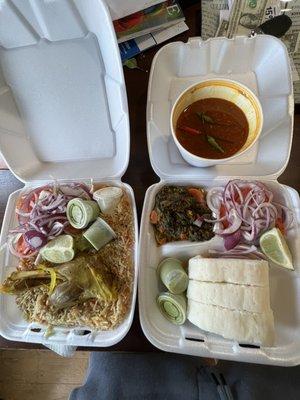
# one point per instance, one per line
(140, 174)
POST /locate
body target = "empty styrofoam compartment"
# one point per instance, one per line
(62, 92)
(188, 339)
(63, 116)
(249, 61)
(12, 324)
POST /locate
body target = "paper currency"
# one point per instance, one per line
(292, 39)
(295, 75)
(230, 4)
(224, 14)
(245, 16)
(253, 13)
(296, 61)
(222, 28)
(210, 16)
(272, 9)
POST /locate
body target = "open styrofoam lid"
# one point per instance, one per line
(260, 63)
(63, 105)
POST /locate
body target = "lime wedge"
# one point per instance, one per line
(274, 246)
(59, 250)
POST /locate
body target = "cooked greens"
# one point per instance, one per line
(179, 214)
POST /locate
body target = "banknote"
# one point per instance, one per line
(296, 66)
(224, 14)
(292, 9)
(222, 28)
(291, 40)
(245, 16)
(210, 16)
(273, 8)
(295, 74)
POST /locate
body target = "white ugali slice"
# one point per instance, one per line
(228, 295)
(242, 326)
(243, 272)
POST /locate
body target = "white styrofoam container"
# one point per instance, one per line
(63, 116)
(250, 61)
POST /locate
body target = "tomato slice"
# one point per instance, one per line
(222, 212)
(197, 194)
(244, 191)
(153, 217)
(22, 247)
(280, 225)
(23, 203)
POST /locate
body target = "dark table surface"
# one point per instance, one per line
(139, 173)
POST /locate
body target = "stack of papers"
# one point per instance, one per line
(146, 28)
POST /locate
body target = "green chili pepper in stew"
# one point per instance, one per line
(205, 118)
(214, 143)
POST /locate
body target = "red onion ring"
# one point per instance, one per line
(251, 211)
(43, 210)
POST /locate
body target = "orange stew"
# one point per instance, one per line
(212, 128)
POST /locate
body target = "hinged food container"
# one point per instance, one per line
(63, 116)
(262, 64)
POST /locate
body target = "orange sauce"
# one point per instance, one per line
(212, 128)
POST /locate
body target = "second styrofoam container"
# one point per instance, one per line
(189, 339)
(175, 67)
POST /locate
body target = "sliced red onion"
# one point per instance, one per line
(43, 231)
(240, 251)
(52, 219)
(256, 210)
(265, 205)
(247, 256)
(34, 239)
(287, 215)
(214, 198)
(199, 221)
(56, 229)
(47, 217)
(42, 214)
(231, 241)
(18, 229)
(38, 259)
(215, 220)
(76, 190)
(60, 199)
(236, 222)
(23, 214)
(14, 252)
